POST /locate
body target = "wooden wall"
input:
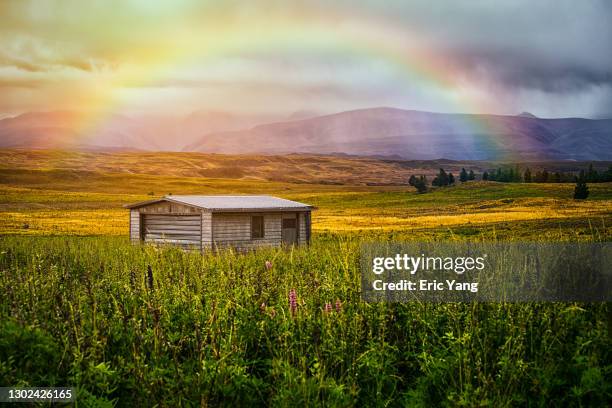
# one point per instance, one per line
(207, 234)
(302, 229)
(234, 229)
(135, 226)
(182, 230)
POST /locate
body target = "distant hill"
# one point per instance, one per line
(423, 135)
(74, 130)
(377, 132)
(40, 168)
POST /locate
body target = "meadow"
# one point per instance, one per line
(140, 326)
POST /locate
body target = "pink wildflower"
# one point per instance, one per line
(292, 301)
(268, 265)
(262, 307)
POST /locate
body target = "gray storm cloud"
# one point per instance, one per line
(561, 48)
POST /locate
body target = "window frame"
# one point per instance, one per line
(263, 227)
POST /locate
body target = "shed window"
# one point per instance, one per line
(257, 226)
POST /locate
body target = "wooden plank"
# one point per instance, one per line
(195, 237)
(174, 218)
(173, 241)
(173, 238)
(177, 223)
(152, 217)
(173, 227)
(173, 230)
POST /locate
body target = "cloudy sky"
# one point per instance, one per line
(549, 57)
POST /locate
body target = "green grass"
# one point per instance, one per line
(218, 330)
(77, 306)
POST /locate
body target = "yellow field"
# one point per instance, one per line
(68, 193)
(455, 210)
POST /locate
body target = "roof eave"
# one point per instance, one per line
(143, 203)
(159, 200)
(271, 209)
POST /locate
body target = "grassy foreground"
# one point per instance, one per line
(141, 326)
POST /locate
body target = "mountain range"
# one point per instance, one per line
(382, 132)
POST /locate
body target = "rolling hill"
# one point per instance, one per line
(378, 132)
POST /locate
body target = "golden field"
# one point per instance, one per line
(59, 193)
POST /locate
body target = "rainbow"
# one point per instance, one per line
(367, 38)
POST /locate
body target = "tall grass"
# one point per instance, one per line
(133, 326)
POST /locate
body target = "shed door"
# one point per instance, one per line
(183, 230)
(289, 229)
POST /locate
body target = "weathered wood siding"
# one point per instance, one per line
(135, 226)
(307, 226)
(168, 208)
(182, 230)
(302, 236)
(234, 230)
(207, 232)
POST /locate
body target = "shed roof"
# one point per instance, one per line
(230, 203)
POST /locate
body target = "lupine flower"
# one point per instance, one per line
(328, 307)
(338, 305)
(292, 301)
(268, 265)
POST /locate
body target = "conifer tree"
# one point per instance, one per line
(441, 179)
(581, 191)
(420, 183)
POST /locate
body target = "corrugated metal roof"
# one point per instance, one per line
(231, 203)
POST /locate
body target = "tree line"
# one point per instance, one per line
(514, 175)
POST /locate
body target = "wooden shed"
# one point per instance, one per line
(204, 222)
